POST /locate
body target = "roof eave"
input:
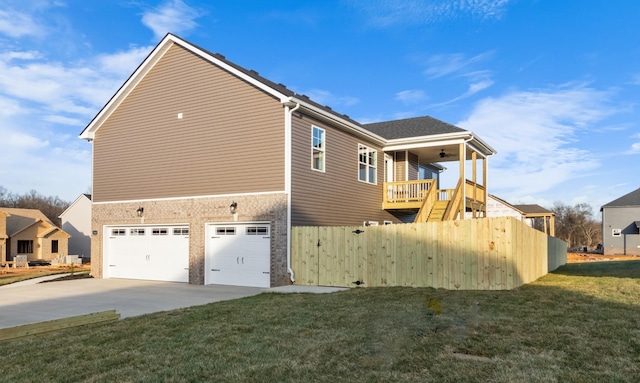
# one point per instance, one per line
(454, 137)
(334, 117)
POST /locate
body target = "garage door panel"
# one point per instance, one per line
(238, 254)
(147, 252)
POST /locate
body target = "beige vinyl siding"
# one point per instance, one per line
(413, 166)
(334, 197)
(230, 138)
(401, 166)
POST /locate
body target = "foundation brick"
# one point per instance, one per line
(196, 212)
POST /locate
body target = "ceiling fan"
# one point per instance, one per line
(443, 154)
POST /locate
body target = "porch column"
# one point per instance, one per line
(463, 179)
(474, 170)
(485, 168)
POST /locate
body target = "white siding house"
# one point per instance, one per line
(76, 221)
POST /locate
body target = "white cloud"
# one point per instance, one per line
(21, 141)
(410, 96)
(534, 133)
(635, 148)
(456, 63)
(123, 63)
(385, 13)
(43, 106)
(172, 16)
(18, 24)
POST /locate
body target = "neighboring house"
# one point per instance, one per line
(3, 237)
(76, 221)
(535, 216)
(29, 232)
(539, 218)
(201, 168)
(621, 224)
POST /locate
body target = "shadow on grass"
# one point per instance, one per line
(614, 269)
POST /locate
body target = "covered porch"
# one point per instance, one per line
(412, 177)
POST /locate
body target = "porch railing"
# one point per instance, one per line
(414, 195)
(406, 194)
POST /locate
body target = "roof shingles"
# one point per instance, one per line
(630, 199)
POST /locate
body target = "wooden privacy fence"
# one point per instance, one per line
(476, 254)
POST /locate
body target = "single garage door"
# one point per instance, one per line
(238, 254)
(158, 252)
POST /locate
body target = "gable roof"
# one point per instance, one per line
(629, 199)
(20, 219)
(412, 127)
(533, 209)
(397, 131)
(80, 198)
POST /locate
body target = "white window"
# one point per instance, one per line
(225, 230)
(317, 148)
(367, 164)
(118, 232)
(136, 232)
(159, 231)
(257, 230)
(181, 231)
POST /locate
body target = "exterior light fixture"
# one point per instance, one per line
(140, 211)
(233, 207)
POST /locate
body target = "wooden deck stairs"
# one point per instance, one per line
(437, 212)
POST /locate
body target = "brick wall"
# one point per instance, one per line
(196, 212)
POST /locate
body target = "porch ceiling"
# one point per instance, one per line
(432, 154)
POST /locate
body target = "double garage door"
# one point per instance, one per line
(159, 253)
(235, 254)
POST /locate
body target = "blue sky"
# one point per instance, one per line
(552, 85)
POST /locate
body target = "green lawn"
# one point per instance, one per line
(580, 324)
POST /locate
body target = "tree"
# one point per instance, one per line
(51, 207)
(576, 225)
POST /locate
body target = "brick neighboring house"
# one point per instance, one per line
(29, 232)
(621, 225)
(201, 168)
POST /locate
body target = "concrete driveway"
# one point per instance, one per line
(29, 302)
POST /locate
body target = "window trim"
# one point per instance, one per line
(368, 150)
(322, 150)
(22, 243)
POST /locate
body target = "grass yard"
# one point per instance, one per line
(11, 275)
(580, 324)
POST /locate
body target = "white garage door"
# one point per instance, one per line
(158, 252)
(238, 254)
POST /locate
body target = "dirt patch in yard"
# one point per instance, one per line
(592, 257)
(39, 271)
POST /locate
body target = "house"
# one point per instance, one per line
(538, 217)
(621, 224)
(76, 220)
(201, 168)
(29, 232)
(533, 215)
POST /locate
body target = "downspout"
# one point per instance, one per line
(287, 169)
